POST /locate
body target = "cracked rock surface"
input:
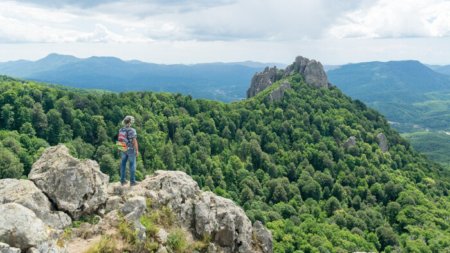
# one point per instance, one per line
(20, 228)
(75, 187)
(203, 212)
(26, 193)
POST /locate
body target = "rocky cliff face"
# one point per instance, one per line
(278, 93)
(34, 215)
(311, 70)
(382, 142)
(262, 81)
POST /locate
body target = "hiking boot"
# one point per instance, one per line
(124, 182)
(134, 183)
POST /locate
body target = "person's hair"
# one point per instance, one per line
(127, 121)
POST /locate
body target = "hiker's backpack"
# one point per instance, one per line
(123, 143)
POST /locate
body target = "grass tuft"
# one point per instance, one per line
(177, 241)
(107, 244)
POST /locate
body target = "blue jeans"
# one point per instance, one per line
(129, 155)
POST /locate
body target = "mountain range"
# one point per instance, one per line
(404, 91)
(218, 81)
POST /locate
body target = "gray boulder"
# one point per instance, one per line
(311, 70)
(278, 93)
(351, 141)
(113, 203)
(26, 193)
(382, 142)
(75, 187)
(20, 228)
(262, 81)
(226, 223)
(264, 236)
(133, 209)
(204, 213)
(161, 236)
(315, 74)
(5, 248)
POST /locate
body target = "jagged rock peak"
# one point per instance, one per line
(262, 81)
(311, 70)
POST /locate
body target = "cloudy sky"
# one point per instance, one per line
(194, 31)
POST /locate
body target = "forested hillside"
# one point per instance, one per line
(283, 162)
(411, 95)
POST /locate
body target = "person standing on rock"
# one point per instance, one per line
(128, 135)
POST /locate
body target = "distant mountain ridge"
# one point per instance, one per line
(443, 70)
(415, 98)
(384, 81)
(220, 81)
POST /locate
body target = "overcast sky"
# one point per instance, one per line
(194, 31)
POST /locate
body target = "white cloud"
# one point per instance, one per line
(226, 30)
(395, 19)
(101, 34)
(29, 24)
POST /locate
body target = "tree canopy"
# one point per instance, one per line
(284, 162)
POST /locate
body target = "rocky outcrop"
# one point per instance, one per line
(26, 193)
(80, 188)
(382, 142)
(202, 212)
(262, 81)
(21, 228)
(75, 187)
(351, 141)
(311, 70)
(278, 93)
(264, 236)
(133, 209)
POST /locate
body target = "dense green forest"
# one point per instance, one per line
(435, 145)
(408, 93)
(4, 78)
(283, 162)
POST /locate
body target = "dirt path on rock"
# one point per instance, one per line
(79, 245)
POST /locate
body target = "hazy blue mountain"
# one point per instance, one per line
(394, 81)
(407, 92)
(222, 81)
(443, 70)
(433, 67)
(330, 67)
